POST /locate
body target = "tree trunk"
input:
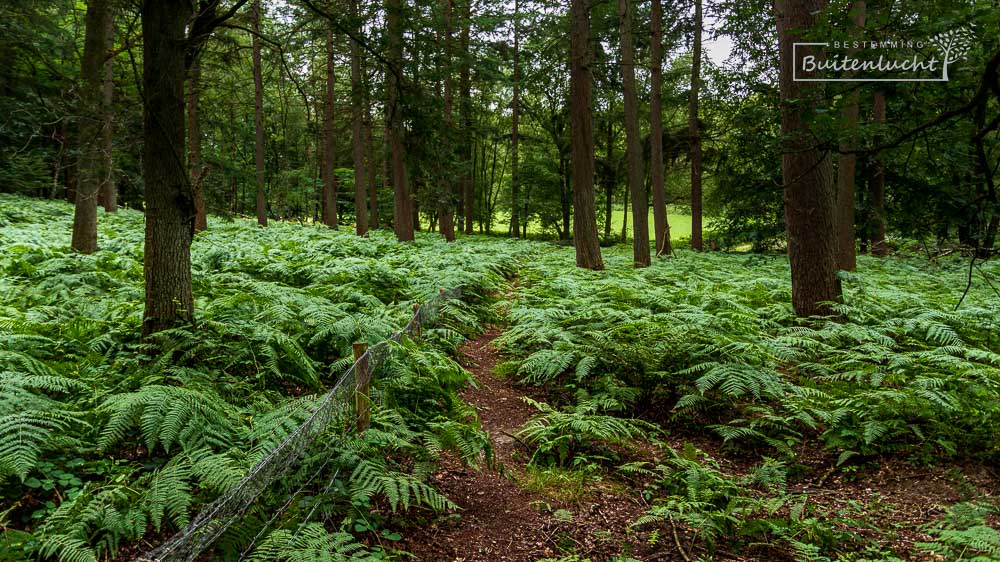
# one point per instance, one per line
(357, 130)
(402, 201)
(465, 92)
(588, 248)
(610, 178)
(372, 185)
(329, 159)
(846, 169)
(624, 236)
(694, 133)
(447, 195)
(194, 145)
(91, 120)
(636, 184)
(661, 228)
(879, 249)
(810, 196)
(515, 187)
(566, 195)
(258, 116)
(108, 193)
(169, 201)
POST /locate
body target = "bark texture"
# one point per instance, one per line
(879, 248)
(661, 228)
(169, 201)
(357, 131)
(194, 145)
(810, 196)
(446, 213)
(847, 166)
(636, 183)
(258, 116)
(403, 208)
(588, 249)
(328, 160)
(91, 123)
(515, 180)
(108, 192)
(694, 132)
(465, 110)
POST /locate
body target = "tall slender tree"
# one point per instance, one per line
(847, 167)
(810, 195)
(694, 131)
(661, 228)
(465, 110)
(403, 208)
(328, 160)
(633, 144)
(258, 115)
(373, 218)
(588, 248)
(194, 144)
(878, 183)
(515, 168)
(91, 122)
(447, 195)
(358, 111)
(108, 192)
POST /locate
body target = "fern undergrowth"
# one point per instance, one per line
(103, 444)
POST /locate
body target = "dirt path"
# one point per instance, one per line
(501, 521)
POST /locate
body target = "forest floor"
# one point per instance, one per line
(501, 519)
(514, 512)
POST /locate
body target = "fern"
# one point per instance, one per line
(373, 478)
(311, 543)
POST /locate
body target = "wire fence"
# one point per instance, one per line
(347, 395)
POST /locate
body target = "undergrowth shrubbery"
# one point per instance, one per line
(710, 341)
(103, 442)
(712, 338)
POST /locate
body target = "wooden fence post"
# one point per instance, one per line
(362, 394)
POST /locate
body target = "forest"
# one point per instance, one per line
(456, 280)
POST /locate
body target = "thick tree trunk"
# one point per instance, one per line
(91, 121)
(357, 131)
(403, 207)
(258, 116)
(636, 183)
(194, 145)
(169, 201)
(588, 248)
(329, 159)
(515, 187)
(810, 196)
(847, 167)
(465, 109)
(879, 248)
(108, 192)
(694, 132)
(661, 228)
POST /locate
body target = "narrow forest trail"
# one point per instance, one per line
(499, 520)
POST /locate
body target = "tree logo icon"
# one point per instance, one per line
(953, 45)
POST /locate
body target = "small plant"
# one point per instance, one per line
(963, 534)
(577, 436)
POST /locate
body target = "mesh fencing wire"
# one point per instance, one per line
(337, 405)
